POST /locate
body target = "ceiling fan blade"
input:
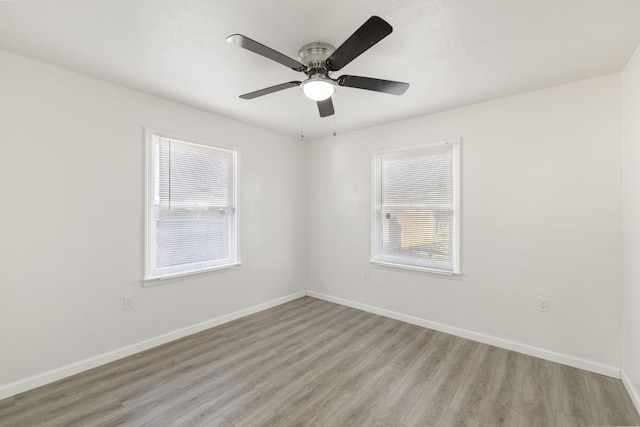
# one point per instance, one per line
(370, 33)
(268, 90)
(267, 52)
(377, 85)
(326, 107)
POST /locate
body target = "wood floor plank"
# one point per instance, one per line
(538, 385)
(140, 408)
(433, 404)
(321, 332)
(84, 414)
(8, 402)
(396, 406)
(373, 422)
(257, 411)
(573, 398)
(217, 422)
(357, 410)
(510, 378)
(313, 363)
(291, 370)
(498, 414)
(323, 381)
(312, 383)
(563, 419)
(476, 394)
(195, 369)
(473, 386)
(410, 355)
(48, 407)
(339, 391)
(201, 411)
(394, 345)
(610, 403)
(267, 417)
(72, 414)
(383, 328)
(536, 414)
(205, 404)
(454, 418)
(321, 405)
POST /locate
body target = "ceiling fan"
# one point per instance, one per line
(318, 60)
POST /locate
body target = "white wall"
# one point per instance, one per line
(71, 245)
(631, 146)
(542, 210)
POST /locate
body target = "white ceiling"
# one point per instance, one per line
(453, 52)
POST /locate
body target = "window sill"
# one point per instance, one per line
(418, 269)
(152, 281)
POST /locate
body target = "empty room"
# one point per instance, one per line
(296, 213)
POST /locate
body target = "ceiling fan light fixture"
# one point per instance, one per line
(318, 88)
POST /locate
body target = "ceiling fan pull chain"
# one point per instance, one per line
(334, 125)
(301, 115)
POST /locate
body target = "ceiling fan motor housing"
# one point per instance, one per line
(313, 56)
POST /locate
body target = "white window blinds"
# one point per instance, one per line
(192, 217)
(416, 208)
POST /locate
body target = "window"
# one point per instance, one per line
(191, 208)
(416, 208)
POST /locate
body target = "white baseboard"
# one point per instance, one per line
(84, 365)
(634, 393)
(564, 359)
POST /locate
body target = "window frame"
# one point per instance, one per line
(456, 143)
(150, 279)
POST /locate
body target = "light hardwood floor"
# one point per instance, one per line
(310, 362)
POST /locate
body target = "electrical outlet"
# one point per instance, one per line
(127, 302)
(366, 275)
(543, 304)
